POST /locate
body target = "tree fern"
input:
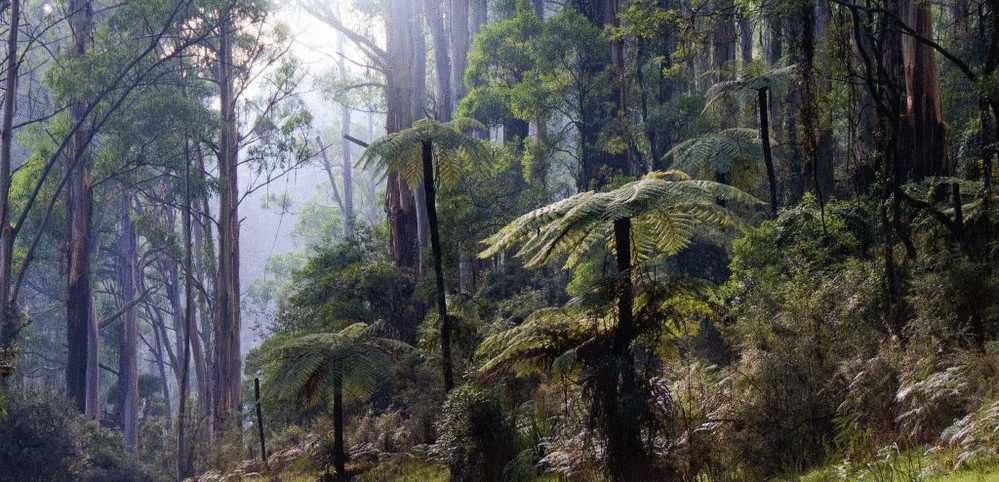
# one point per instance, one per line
(312, 369)
(667, 209)
(411, 153)
(734, 152)
(453, 150)
(744, 90)
(658, 213)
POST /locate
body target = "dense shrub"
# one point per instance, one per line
(44, 439)
(475, 438)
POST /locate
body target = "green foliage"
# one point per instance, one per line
(401, 152)
(304, 369)
(736, 153)
(475, 439)
(44, 439)
(347, 281)
(666, 209)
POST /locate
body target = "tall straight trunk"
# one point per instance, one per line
(81, 329)
(347, 174)
(460, 38)
(435, 246)
(768, 158)
(479, 16)
(925, 131)
(418, 103)
(227, 323)
(347, 166)
(184, 467)
(745, 39)
(442, 58)
(339, 451)
(128, 363)
(161, 369)
(723, 39)
(204, 268)
(9, 324)
(400, 204)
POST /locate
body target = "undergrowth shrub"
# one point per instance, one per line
(474, 437)
(44, 439)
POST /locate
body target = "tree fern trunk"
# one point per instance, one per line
(768, 157)
(339, 452)
(435, 246)
(625, 459)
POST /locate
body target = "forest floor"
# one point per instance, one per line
(914, 468)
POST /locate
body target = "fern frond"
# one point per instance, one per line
(666, 209)
(454, 150)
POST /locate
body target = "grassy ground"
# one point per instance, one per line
(905, 468)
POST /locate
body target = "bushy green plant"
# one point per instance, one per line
(44, 439)
(475, 438)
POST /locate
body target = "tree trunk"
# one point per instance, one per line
(925, 128)
(400, 204)
(768, 158)
(435, 246)
(347, 166)
(442, 58)
(460, 42)
(161, 367)
(339, 451)
(479, 16)
(625, 452)
(723, 39)
(81, 380)
(745, 40)
(227, 323)
(184, 459)
(597, 111)
(128, 364)
(9, 323)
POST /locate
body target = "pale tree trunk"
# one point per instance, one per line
(418, 101)
(479, 16)
(442, 58)
(400, 204)
(9, 323)
(81, 331)
(184, 459)
(227, 324)
(205, 268)
(460, 38)
(347, 166)
(128, 363)
(745, 39)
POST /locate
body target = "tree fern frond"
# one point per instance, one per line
(666, 209)
(772, 80)
(453, 149)
(717, 152)
(304, 368)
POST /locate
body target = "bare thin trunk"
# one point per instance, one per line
(128, 364)
(184, 462)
